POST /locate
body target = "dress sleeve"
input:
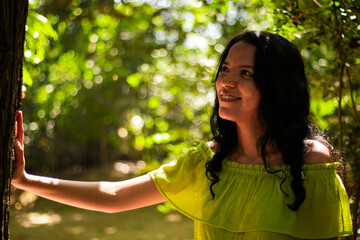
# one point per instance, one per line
(183, 181)
(326, 207)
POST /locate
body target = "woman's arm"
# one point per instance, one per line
(335, 238)
(98, 196)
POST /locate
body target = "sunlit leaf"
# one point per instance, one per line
(27, 77)
(134, 80)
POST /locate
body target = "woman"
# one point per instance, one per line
(263, 177)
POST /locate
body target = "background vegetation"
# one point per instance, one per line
(121, 85)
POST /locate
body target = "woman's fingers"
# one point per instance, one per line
(19, 139)
(15, 129)
(19, 164)
(19, 129)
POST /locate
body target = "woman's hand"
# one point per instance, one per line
(19, 165)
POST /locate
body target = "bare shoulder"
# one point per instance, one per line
(213, 145)
(317, 153)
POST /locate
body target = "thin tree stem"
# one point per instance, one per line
(352, 97)
(338, 32)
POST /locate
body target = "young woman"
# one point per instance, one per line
(264, 176)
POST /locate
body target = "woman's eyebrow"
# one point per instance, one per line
(240, 66)
(246, 66)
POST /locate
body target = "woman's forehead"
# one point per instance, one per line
(241, 51)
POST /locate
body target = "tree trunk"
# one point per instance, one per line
(13, 16)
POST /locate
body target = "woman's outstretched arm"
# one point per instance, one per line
(98, 196)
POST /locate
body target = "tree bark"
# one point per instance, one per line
(13, 16)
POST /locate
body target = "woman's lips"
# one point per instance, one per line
(229, 98)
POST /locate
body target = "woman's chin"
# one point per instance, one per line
(242, 119)
(227, 116)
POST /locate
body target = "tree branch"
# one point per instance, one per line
(352, 97)
(317, 3)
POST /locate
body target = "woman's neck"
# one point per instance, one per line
(247, 151)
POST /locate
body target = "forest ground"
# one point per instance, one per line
(49, 220)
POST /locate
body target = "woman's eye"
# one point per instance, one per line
(224, 69)
(246, 73)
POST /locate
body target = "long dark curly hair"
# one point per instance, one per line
(283, 110)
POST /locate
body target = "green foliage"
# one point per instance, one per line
(165, 208)
(134, 75)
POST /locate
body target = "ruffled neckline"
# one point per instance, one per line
(258, 168)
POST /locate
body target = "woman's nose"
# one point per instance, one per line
(228, 81)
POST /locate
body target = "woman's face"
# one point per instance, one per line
(238, 97)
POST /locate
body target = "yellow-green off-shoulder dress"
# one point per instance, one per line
(249, 203)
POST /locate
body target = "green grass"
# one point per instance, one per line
(47, 220)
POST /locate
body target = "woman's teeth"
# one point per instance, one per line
(227, 97)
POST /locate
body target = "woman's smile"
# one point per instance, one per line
(229, 98)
